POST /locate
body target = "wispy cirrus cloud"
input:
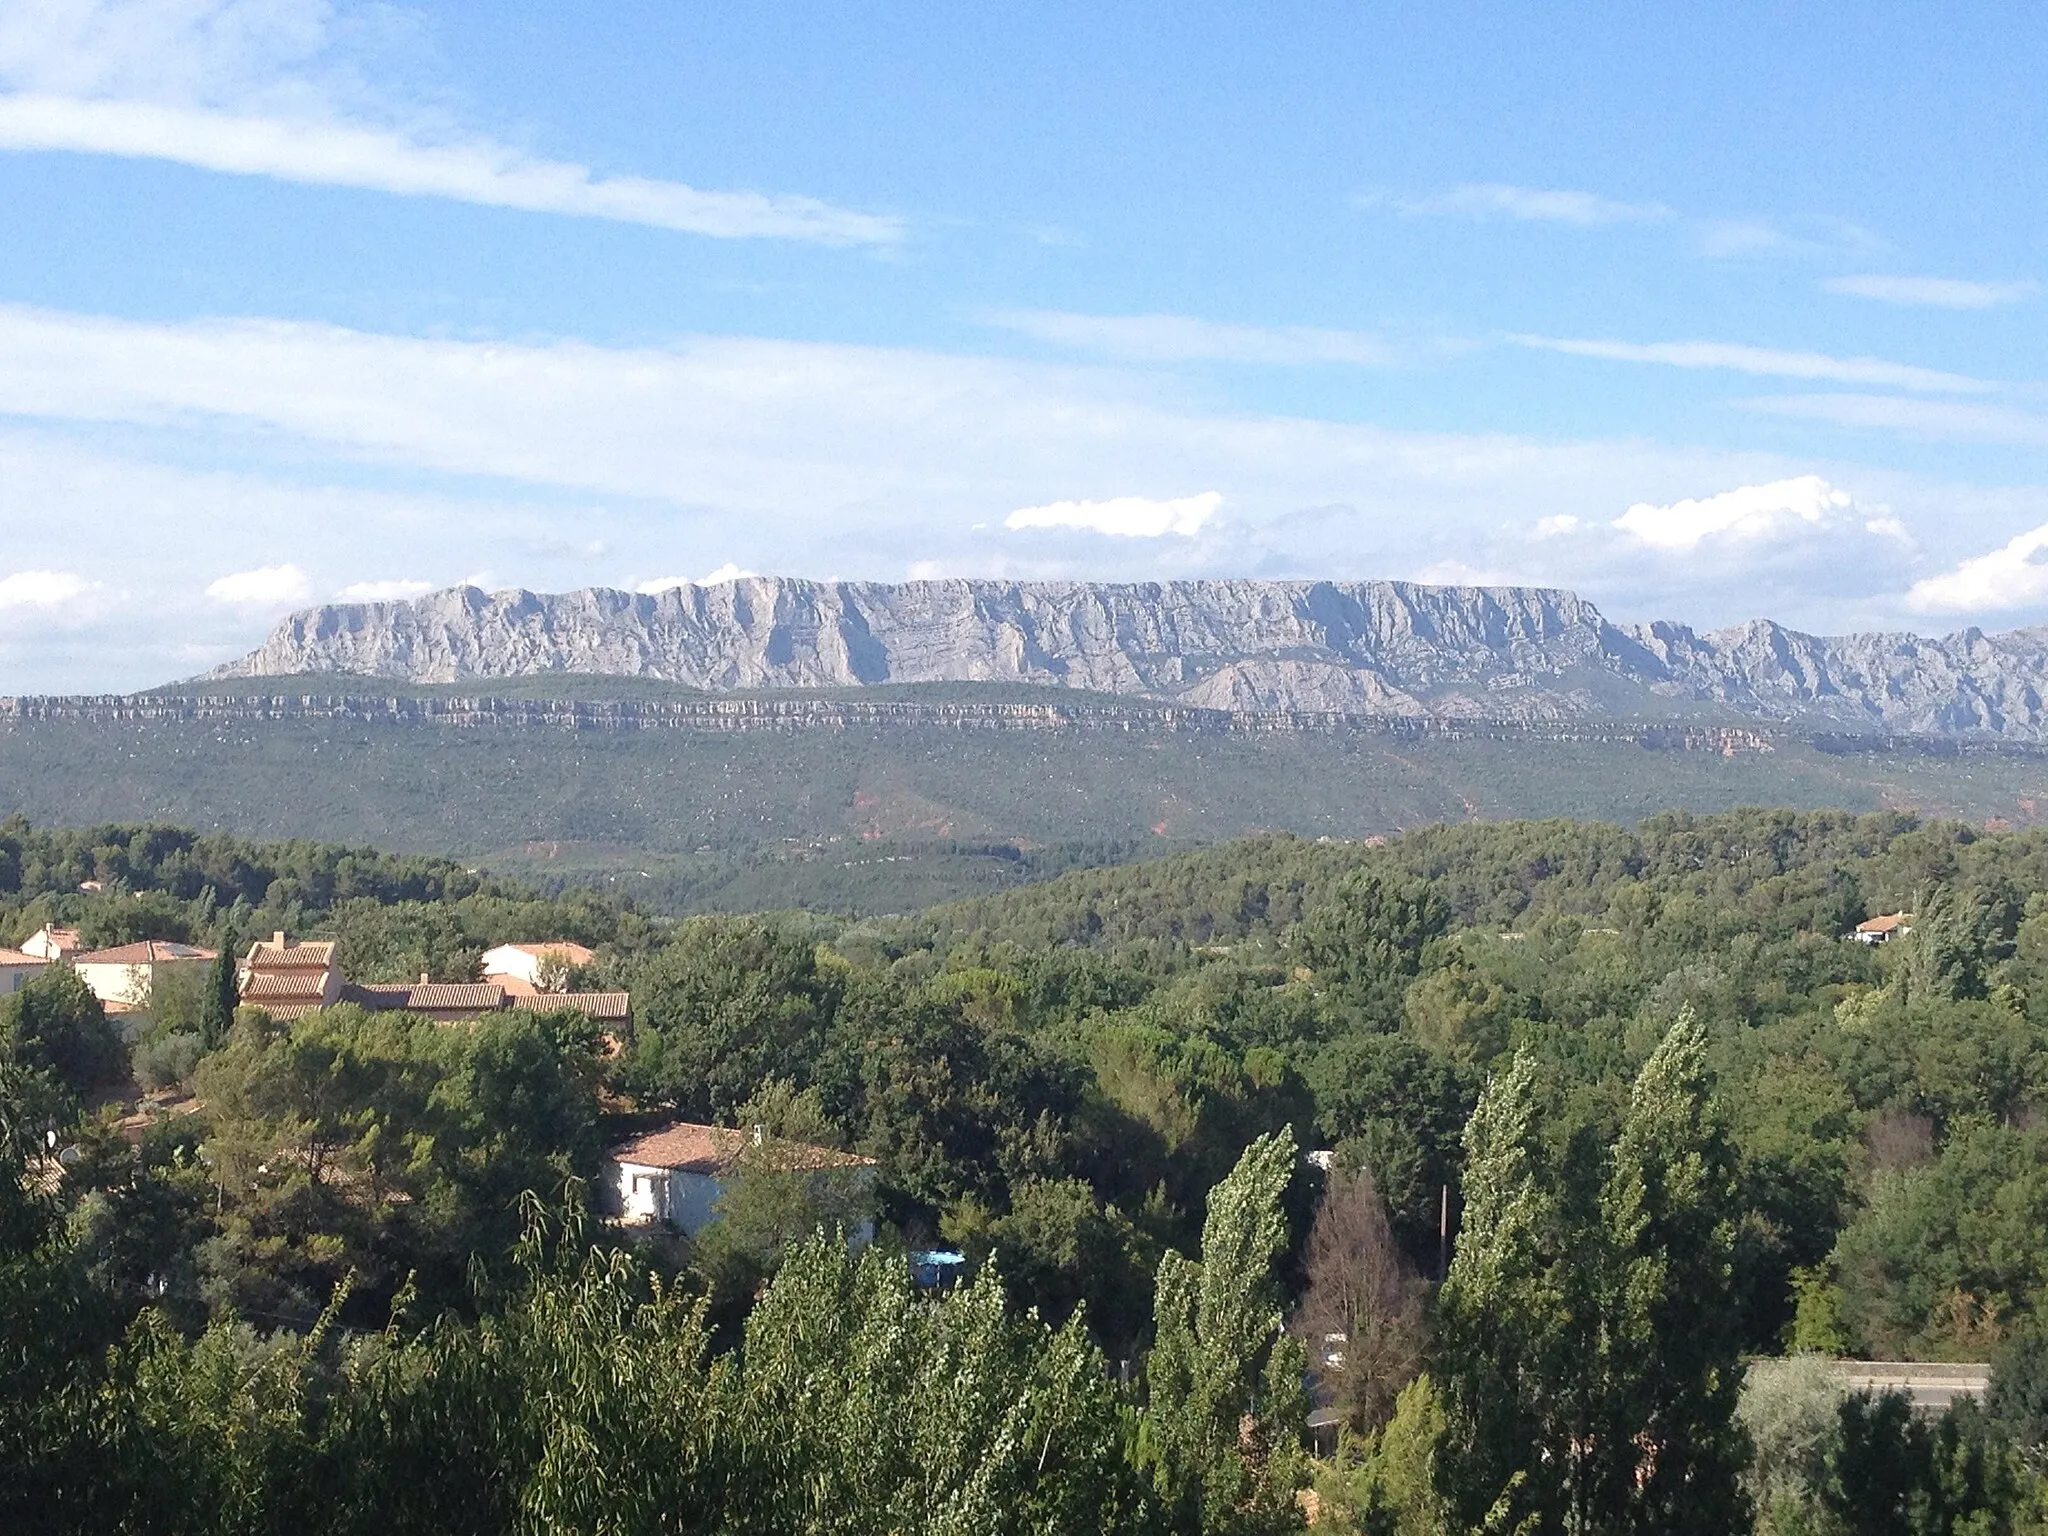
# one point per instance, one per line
(1183, 338)
(1768, 361)
(1537, 205)
(257, 88)
(1953, 421)
(1931, 292)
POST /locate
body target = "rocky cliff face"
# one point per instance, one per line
(1379, 647)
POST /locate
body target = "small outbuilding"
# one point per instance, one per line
(1880, 930)
(676, 1175)
(122, 977)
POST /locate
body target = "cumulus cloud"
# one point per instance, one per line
(258, 89)
(1749, 512)
(726, 572)
(41, 589)
(1768, 361)
(1548, 205)
(397, 591)
(2013, 576)
(268, 586)
(1181, 338)
(1127, 517)
(1935, 292)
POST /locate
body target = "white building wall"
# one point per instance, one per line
(124, 984)
(511, 960)
(14, 977)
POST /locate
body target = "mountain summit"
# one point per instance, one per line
(1375, 647)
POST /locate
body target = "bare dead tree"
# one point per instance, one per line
(1362, 1315)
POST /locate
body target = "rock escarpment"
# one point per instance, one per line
(1382, 647)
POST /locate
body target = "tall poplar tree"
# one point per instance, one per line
(1223, 1428)
(1590, 1357)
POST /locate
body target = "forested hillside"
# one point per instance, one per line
(866, 818)
(1610, 1110)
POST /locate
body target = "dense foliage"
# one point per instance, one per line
(1609, 1111)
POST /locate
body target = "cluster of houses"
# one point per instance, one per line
(673, 1176)
(289, 977)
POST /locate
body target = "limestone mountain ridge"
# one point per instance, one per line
(1368, 647)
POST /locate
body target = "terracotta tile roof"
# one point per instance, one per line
(447, 996)
(288, 1011)
(377, 995)
(292, 954)
(1887, 923)
(148, 952)
(596, 1005)
(685, 1147)
(266, 984)
(16, 957)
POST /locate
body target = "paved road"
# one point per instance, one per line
(1931, 1387)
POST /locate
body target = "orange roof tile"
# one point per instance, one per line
(685, 1147)
(596, 1005)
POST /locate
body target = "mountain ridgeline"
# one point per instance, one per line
(1378, 647)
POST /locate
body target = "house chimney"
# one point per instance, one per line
(423, 978)
(277, 939)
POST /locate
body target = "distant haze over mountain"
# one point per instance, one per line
(1377, 647)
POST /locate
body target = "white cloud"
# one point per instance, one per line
(41, 589)
(1181, 338)
(1815, 239)
(726, 572)
(1936, 292)
(1934, 420)
(2014, 576)
(1460, 573)
(1750, 512)
(1558, 526)
(268, 586)
(858, 460)
(1768, 361)
(397, 591)
(1490, 199)
(1129, 517)
(267, 88)
(473, 170)
(925, 570)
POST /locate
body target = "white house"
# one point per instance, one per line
(121, 977)
(18, 969)
(1879, 930)
(516, 967)
(677, 1174)
(52, 943)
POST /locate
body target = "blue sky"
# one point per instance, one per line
(1707, 316)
